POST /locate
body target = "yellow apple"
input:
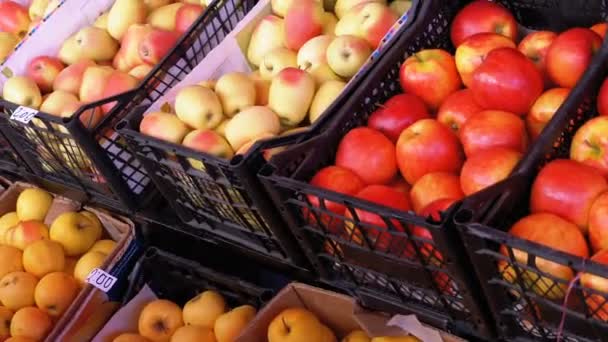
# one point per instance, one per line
(251, 123)
(236, 92)
(102, 21)
(33, 204)
(277, 60)
(23, 91)
(164, 126)
(75, 232)
(7, 221)
(164, 17)
(268, 35)
(296, 325)
(357, 336)
(204, 309)
(104, 246)
(347, 54)
(89, 43)
(37, 8)
(43, 257)
(396, 339)
(193, 333)
(123, 14)
(8, 41)
(230, 325)
(329, 23)
(27, 232)
(17, 290)
(291, 94)
(87, 263)
(56, 102)
(344, 6)
(312, 58)
(10, 260)
(325, 96)
(159, 320)
(198, 107)
(55, 292)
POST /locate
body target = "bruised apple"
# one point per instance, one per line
(482, 16)
(457, 109)
(487, 167)
(551, 231)
(372, 225)
(543, 110)
(397, 114)
(333, 178)
(369, 154)
(493, 128)
(568, 189)
(435, 186)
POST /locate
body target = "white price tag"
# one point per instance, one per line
(101, 280)
(24, 114)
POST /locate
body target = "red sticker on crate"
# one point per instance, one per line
(23, 114)
(101, 280)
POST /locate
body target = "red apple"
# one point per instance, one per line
(186, 16)
(543, 110)
(14, 18)
(482, 16)
(118, 83)
(493, 128)
(432, 211)
(435, 186)
(554, 232)
(507, 80)
(156, 44)
(431, 75)
(473, 50)
(598, 223)
(535, 46)
(369, 154)
(570, 55)
(338, 179)
(43, 70)
(303, 21)
(567, 188)
(397, 114)
(425, 147)
(596, 302)
(457, 109)
(373, 226)
(600, 29)
(590, 143)
(486, 168)
(602, 99)
(399, 184)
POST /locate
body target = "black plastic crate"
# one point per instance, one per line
(521, 313)
(442, 290)
(225, 197)
(179, 280)
(95, 160)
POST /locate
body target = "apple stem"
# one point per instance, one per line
(285, 324)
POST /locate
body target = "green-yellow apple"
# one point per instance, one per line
(37, 8)
(344, 6)
(303, 21)
(268, 35)
(325, 96)
(297, 325)
(123, 14)
(164, 17)
(43, 70)
(329, 23)
(23, 91)
(128, 56)
(8, 41)
(250, 123)
(70, 78)
(102, 21)
(312, 58)
(89, 43)
(33, 204)
(52, 6)
(236, 92)
(208, 141)
(57, 101)
(400, 7)
(154, 4)
(279, 7)
(347, 54)
(277, 60)
(76, 232)
(164, 126)
(371, 21)
(93, 83)
(198, 107)
(291, 94)
(141, 71)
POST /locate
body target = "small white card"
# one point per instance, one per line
(24, 114)
(101, 280)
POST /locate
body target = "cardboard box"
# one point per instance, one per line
(120, 229)
(340, 313)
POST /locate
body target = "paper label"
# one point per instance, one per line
(101, 280)
(24, 114)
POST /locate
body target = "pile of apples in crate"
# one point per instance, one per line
(304, 54)
(462, 123)
(42, 269)
(16, 21)
(107, 58)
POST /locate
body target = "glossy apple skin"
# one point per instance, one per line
(435, 186)
(493, 128)
(457, 109)
(397, 114)
(369, 154)
(507, 80)
(590, 143)
(568, 189)
(377, 234)
(44, 70)
(596, 303)
(598, 223)
(473, 50)
(430, 75)
(544, 109)
(428, 146)
(570, 55)
(600, 29)
(482, 16)
(14, 18)
(602, 99)
(487, 167)
(552, 231)
(535, 46)
(338, 179)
